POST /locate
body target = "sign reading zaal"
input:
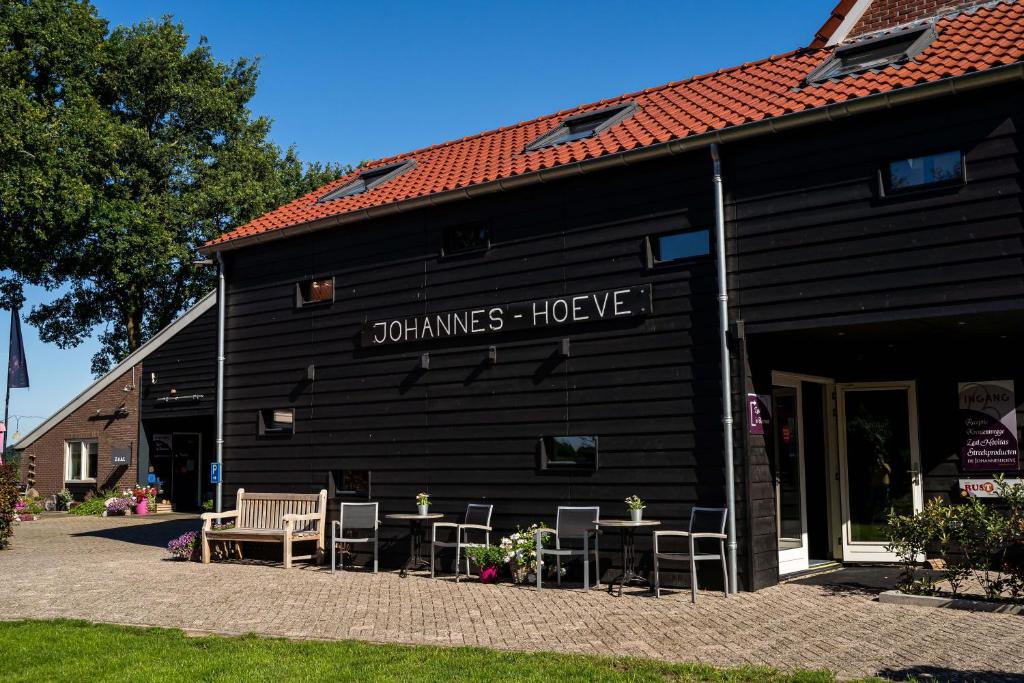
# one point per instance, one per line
(988, 423)
(609, 304)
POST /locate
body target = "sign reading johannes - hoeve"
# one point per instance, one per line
(609, 304)
(988, 423)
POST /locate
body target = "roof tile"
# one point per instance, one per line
(986, 37)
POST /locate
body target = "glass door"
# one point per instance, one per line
(788, 461)
(880, 466)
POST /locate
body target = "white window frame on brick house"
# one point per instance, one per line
(88, 449)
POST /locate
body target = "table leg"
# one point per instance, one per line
(413, 550)
(629, 575)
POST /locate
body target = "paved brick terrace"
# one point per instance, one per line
(115, 570)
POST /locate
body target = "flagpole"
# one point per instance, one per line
(7, 402)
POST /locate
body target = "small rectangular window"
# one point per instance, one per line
(915, 173)
(874, 52)
(459, 239)
(81, 461)
(315, 291)
(568, 453)
(349, 484)
(276, 421)
(676, 246)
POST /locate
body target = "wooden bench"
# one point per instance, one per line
(271, 518)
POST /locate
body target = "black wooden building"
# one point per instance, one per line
(873, 224)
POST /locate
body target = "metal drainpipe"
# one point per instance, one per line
(723, 329)
(221, 306)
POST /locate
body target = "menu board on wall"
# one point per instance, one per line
(759, 413)
(988, 426)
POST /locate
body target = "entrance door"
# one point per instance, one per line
(185, 460)
(880, 466)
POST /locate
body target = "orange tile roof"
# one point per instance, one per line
(983, 38)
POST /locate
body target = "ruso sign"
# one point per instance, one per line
(608, 304)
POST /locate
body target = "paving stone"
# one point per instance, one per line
(116, 570)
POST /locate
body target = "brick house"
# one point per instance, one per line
(98, 440)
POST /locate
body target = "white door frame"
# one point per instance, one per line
(797, 559)
(862, 551)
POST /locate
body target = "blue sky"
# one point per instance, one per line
(348, 81)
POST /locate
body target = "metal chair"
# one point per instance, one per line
(476, 522)
(357, 516)
(704, 523)
(571, 524)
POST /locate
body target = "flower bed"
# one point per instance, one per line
(183, 547)
(974, 542)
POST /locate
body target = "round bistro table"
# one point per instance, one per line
(627, 530)
(417, 535)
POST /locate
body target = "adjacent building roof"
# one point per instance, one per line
(140, 354)
(982, 38)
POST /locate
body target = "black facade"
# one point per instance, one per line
(177, 406)
(828, 279)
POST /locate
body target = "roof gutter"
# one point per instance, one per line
(832, 112)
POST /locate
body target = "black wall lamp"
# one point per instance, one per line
(425, 361)
(492, 355)
(564, 350)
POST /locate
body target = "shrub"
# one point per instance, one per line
(8, 499)
(96, 504)
(973, 538)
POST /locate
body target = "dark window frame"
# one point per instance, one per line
(885, 189)
(264, 431)
(652, 248)
(368, 179)
(609, 116)
(446, 252)
(548, 465)
(300, 298)
(907, 43)
(335, 492)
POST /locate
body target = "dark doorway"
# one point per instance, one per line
(816, 471)
(185, 455)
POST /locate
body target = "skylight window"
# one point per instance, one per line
(369, 179)
(874, 53)
(585, 125)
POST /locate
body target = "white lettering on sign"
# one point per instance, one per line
(522, 315)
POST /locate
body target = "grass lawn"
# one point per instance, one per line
(80, 651)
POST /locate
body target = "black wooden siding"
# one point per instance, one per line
(186, 363)
(464, 431)
(812, 246)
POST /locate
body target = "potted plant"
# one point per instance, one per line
(119, 505)
(488, 558)
(636, 507)
(423, 503)
(64, 499)
(520, 552)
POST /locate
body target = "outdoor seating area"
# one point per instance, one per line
(282, 518)
(287, 518)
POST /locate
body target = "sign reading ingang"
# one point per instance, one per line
(608, 304)
(988, 424)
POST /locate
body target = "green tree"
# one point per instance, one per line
(128, 149)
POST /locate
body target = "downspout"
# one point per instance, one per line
(723, 333)
(221, 307)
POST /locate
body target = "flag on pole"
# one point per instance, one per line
(17, 368)
(17, 373)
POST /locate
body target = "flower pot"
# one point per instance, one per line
(142, 508)
(489, 574)
(423, 509)
(636, 515)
